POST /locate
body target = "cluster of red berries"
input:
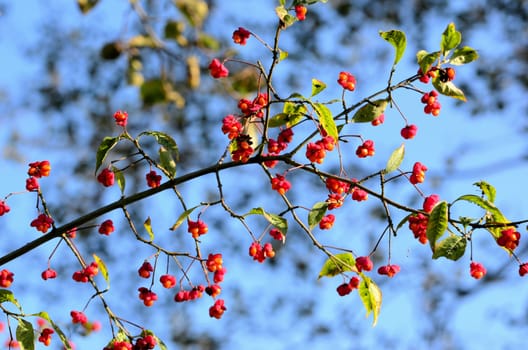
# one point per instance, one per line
(277, 234)
(49, 273)
(145, 270)
(280, 184)
(347, 81)
(409, 131)
(346, 288)
(260, 253)
(253, 108)
(432, 106)
(42, 223)
(86, 273)
(106, 177)
(316, 151)
(327, 222)
(378, 120)
(121, 118)
(477, 270)
(106, 227)
(147, 296)
(153, 179)
(509, 238)
(78, 317)
(418, 222)
(300, 12)
(6, 278)
(242, 149)
(418, 173)
(197, 228)
(168, 281)
(431, 74)
(217, 69)
(241, 35)
(366, 149)
(45, 336)
(275, 147)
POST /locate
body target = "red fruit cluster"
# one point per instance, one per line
(431, 73)
(337, 186)
(378, 120)
(477, 270)
(389, 270)
(219, 275)
(509, 238)
(39, 169)
(106, 177)
(430, 202)
(218, 309)
(42, 223)
(145, 270)
(85, 274)
(213, 290)
(418, 173)
(241, 35)
(153, 179)
(347, 81)
(327, 222)
(315, 152)
(187, 295)
(45, 336)
(147, 296)
(78, 317)
(32, 184)
(214, 262)
(280, 184)
(363, 263)
(418, 226)
(432, 106)
(4, 208)
(523, 269)
(447, 74)
(276, 234)
(335, 201)
(366, 149)
(409, 131)
(168, 281)
(121, 118)
(217, 69)
(106, 228)
(242, 149)
(249, 108)
(347, 288)
(359, 194)
(300, 12)
(119, 345)
(231, 126)
(49, 273)
(145, 342)
(6, 278)
(259, 252)
(197, 228)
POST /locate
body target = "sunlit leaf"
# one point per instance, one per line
(148, 227)
(327, 120)
(142, 41)
(317, 86)
(337, 264)
(370, 111)
(167, 161)
(286, 19)
(106, 146)
(25, 335)
(276, 220)
(452, 248)
(451, 38)
(371, 297)
(317, 213)
(463, 55)
(182, 218)
(397, 39)
(102, 268)
(120, 178)
(7, 295)
(437, 223)
(395, 159)
(425, 59)
(86, 5)
(487, 190)
(448, 89)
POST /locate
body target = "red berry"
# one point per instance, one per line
(214, 262)
(6, 278)
(418, 173)
(389, 270)
(379, 120)
(78, 317)
(106, 228)
(347, 81)
(218, 309)
(145, 270)
(523, 269)
(280, 184)
(106, 177)
(363, 263)
(327, 222)
(509, 238)
(153, 179)
(418, 226)
(32, 184)
(241, 35)
(39, 169)
(430, 202)
(300, 12)
(49, 274)
(409, 131)
(168, 281)
(4, 208)
(42, 223)
(344, 289)
(121, 118)
(366, 149)
(217, 69)
(197, 228)
(477, 270)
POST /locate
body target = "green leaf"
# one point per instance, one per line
(182, 217)
(395, 159)
(371, 297)
(437, 223)
(451, 38)
(463, 55)
(452, 248)
(86, 5)
(317, 213)
(317, 86)
(152, 92)
(327, 120)
(286, 19)
(283, 55)
(142, 41)
(208, 42)
(167, 161)
(448, 89)
(168, 152)
(102, 268)
(402, 222)
(292, 113)
(276, 220)
(161, 344)
(337, 264)
(25, 335)
(425, 59)
(370, 111)
(487, 190)
(7, 295)
(397, 39)
(106, 145)
(120, 178)
(495, 215)
(148, 227)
